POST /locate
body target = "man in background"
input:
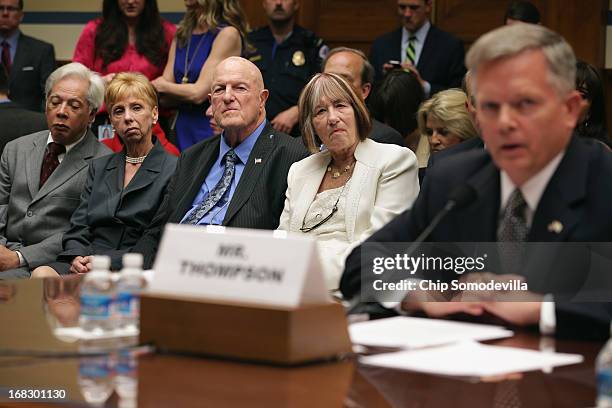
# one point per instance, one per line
(435, 56)
(14, 120)
(287, 56)
(26, 60)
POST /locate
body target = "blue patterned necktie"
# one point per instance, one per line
(217, 193)
(512, 233)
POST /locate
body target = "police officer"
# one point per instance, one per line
(288, 56)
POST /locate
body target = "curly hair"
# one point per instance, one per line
(112, 34)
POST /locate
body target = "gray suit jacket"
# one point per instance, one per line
(33, 220)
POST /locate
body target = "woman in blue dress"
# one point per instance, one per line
(210, 31)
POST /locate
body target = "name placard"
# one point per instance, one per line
(239, 265)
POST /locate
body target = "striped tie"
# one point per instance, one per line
(410, 51)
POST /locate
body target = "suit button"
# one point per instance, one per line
(30, 213)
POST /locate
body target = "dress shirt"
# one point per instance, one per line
(60, 157)
(421, 35)
(216, 215)
(532, 191)
(12, 40)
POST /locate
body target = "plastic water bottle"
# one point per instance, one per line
(603, 365)
(126, 378)
(130, 284)
(96, 374)
(97, 298)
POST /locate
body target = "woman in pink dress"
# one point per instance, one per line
(130, 36)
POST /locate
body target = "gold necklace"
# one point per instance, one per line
(336, 173)
(188, 63)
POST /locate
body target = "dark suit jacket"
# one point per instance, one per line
(382, 133)
(110, 219)
(441, 61)
(16, 121)
(578, 195)
(259, 197)
(34, 61)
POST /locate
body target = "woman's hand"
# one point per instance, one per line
(81, 264)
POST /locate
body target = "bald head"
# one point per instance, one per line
(238, 98)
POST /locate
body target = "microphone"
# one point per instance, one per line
(461, 196)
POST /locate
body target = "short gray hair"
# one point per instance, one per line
(367, 70)
(511, 40)
(95, 91)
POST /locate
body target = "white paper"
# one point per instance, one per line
(471, 359)
(415, 332)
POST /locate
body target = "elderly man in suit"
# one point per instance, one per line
(27, 61)
(42, 174)
(535, 182)
(435, 56)
(353, 65)
(237, 179)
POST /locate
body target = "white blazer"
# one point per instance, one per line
(384, 184)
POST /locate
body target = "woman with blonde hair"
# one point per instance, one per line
(210, 31)
(351, 185)
(445, 120)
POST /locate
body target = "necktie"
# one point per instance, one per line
(512, 233)
(6, 57)
(410, 50)
(217, 193)
(50, 161)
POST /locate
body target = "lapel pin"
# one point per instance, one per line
(555, 227)
(257, 161)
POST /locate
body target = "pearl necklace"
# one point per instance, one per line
(336, 173)
(135, 160)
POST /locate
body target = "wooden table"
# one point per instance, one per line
(29, 310)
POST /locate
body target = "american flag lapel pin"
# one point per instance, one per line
(257, 161)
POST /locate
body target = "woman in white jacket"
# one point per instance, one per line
(350, 186)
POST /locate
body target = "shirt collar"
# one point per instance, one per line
(12, 39)
(420, 34)
(243, 150)
(70, 146)
(533, 189)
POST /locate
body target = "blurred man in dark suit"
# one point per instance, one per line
(353, 65)
(14, 120)
(435, 56)
(238, 178)
(533, 183)
(28, 62)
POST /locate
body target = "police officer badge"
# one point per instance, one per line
(298, 58)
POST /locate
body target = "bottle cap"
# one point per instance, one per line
(101, 263)
(132, 260)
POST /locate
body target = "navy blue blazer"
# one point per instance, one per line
(578, 195)
(441, 62)
(110, 219)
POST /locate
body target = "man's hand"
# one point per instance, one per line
(286, 120)
(435, 304)
(8, 259)
(81, 264)
(517, 313)
(406, 66)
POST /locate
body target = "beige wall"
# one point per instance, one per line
(64, 36)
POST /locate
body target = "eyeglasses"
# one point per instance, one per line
(331, 214)
(10, 9)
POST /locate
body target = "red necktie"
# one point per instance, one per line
(50, 161)
(6, 57)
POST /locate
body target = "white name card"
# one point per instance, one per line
(239, 265)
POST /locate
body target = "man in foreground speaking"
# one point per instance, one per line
(238, 178)
(533, 183)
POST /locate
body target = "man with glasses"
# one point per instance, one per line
(435, 56)
(26, 60)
